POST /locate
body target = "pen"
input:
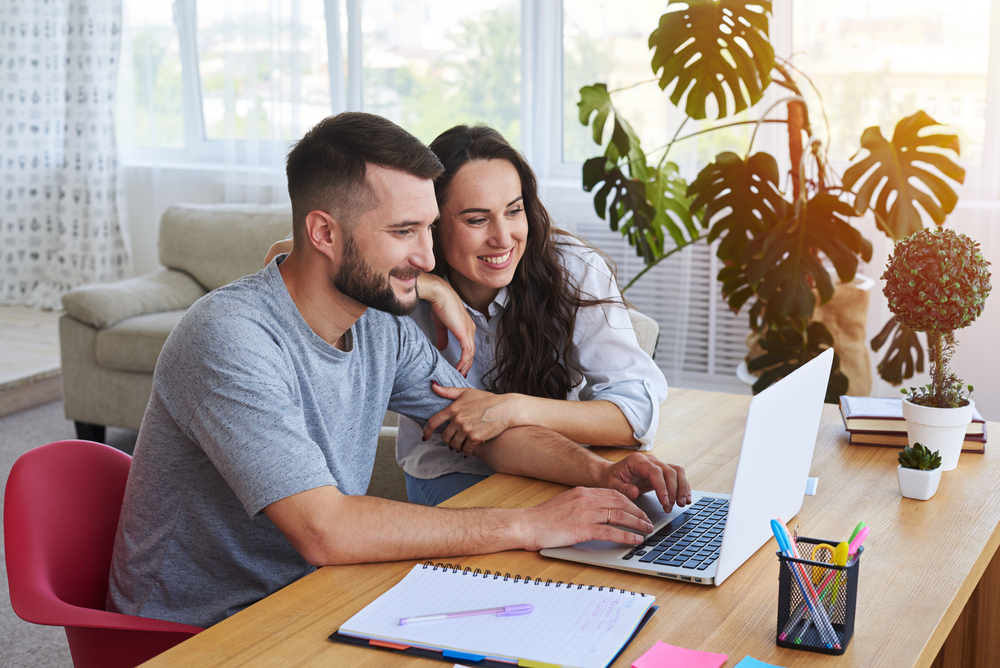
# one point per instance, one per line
(504, 611)
(823, 625)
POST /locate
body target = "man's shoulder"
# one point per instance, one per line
(235, 324)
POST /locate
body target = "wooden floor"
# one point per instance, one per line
(29, 358)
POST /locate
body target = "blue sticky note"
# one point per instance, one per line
(750, 662)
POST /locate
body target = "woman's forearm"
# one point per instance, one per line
(595, 422)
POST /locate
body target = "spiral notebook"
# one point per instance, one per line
(582, 626)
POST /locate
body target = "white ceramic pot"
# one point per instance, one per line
(941, 429)
(917, 484)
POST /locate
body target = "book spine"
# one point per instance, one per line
(517, 578)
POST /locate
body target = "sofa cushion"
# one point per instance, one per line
(105, 304)
(218, 243)
(134, 344)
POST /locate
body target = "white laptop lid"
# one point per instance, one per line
(774, 461)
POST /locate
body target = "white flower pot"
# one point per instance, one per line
(941, 429)
(917, 484)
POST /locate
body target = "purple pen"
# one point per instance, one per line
(505, 611)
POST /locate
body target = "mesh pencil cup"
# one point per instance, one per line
(826, 626)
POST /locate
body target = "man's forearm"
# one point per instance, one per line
(371, 529)
(540, 453)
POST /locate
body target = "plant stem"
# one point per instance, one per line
(935, 351)
(707, 130)
(658, 261)
(659, 165)
(784, 100)
(640, 83)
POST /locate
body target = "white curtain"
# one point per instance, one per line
(60, 221)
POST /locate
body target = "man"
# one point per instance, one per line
(259, 438)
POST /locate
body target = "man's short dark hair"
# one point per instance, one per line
(327, 168)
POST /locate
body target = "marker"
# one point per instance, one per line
(857, 529)
(856, 542)
(505, 611)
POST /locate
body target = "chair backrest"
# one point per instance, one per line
(647, 330)
(60, 515)
(218, 243)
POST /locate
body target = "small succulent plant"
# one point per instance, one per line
(919, 457)
(936, 282)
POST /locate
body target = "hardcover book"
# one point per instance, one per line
(885, 414)
(973, 443)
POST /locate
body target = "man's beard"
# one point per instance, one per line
(359, 281)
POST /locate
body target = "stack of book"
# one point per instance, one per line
(879, 421)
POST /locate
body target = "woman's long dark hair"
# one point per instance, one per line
(535, 332)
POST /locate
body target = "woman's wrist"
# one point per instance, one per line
(427, 286)
(528, 411)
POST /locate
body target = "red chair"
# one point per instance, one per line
(60, 515)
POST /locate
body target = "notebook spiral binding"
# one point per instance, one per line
(457, 568)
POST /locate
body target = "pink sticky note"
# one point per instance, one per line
(662, 655)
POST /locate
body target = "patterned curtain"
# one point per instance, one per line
(61, 205)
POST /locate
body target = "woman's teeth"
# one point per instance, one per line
(497, 259)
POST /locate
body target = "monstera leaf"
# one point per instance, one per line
(898, 164)
(629, 202)
(903, 356)
(595, 101)
(667, 191)
(741, 200)
(713, 46)
(786, 349)
(784, 266)
(646, 213)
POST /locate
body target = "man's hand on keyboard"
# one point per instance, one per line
(584, 513)
(640, 472)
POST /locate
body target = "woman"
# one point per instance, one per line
(550, 324)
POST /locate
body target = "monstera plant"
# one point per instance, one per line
(772, 243)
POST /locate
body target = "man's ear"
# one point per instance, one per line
(323, 233)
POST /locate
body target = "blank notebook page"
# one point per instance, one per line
(571, 625)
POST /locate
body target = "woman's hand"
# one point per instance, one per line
(473, 417)
(449, 315)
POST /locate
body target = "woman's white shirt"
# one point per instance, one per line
(605, 349)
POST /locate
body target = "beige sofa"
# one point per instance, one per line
(111, 334)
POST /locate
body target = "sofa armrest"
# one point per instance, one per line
(105, 304)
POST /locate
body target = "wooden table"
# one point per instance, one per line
(927, 575)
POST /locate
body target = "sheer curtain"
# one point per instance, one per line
(61, 221)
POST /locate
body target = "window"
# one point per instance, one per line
(263, 68)
(876, 63)
(150, 105)
(432, 64)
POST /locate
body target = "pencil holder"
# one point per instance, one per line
(816, 599)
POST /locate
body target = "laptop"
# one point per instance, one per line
(707, 541)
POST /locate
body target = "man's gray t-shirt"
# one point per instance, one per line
(250, 406)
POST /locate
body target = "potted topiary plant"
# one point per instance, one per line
(936, 282)
(919, 472)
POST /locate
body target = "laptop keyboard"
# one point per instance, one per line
(690, 540)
